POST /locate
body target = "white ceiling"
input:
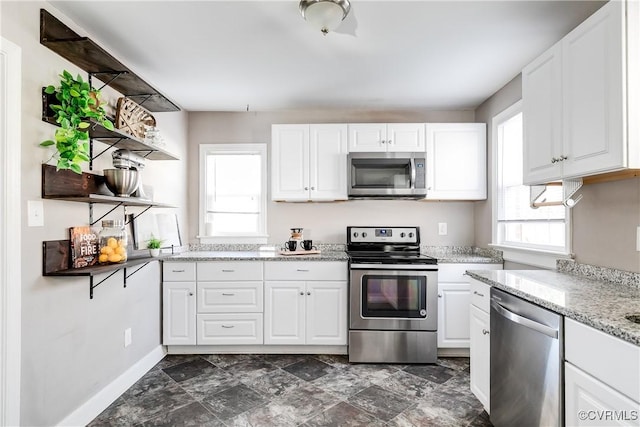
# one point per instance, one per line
(225, 55)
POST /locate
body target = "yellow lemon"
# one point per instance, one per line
(121, 251)
(112, 242)
(115, 258)
(107, 250)
(103, 258)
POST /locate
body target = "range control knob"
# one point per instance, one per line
(410, 235)
(355, 234)
(364, 234)
(402, 234)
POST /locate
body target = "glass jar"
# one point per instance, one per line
(112, 242)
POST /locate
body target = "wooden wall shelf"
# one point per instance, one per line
(89, 56)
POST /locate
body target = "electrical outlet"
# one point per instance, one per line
(442, 228)
(127, 337)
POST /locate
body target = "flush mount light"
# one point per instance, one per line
(325, 15)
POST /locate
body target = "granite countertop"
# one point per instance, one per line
(465, 259)
(598, 303)
(463, 255)
(255, 256)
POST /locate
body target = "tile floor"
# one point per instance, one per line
(294, 390)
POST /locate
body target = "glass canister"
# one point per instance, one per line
(112, 241)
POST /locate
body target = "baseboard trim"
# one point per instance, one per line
(453, 352)
(105, 397)
(257, 349)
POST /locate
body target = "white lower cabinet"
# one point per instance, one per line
(229, 328)
(602, 372)
(179, 313)
(305, 303)
(480, 345)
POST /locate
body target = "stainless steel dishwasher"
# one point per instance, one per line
(526, 363)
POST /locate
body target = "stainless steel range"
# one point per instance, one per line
(393, 292)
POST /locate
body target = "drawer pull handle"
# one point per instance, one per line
(302, 270)
(227, 326)
(177, 271)
(228, 271)
(485, 332)
(227, 295)
(478, 293)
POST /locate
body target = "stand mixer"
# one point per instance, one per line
(125, 159)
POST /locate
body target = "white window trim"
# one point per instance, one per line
(536, 257)
(233, 149)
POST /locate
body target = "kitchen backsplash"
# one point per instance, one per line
(594, 272)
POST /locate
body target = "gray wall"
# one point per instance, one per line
(603, 223)
(326, 222)
(72, 347)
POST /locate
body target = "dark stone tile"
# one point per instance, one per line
(335, 360)
(407, 385)
(119, 413)
(372, 371)
(274, 383)
(461, 406)
(161, 401)
(455, 363)
(193, 415)
(233, 401)
(249, 370)
(152, 381)
(175, 359)
(481, 420)
(282, 360)
(379, 402)
(423, 415)
(209, 383)
(344, 415)
(435, 373)
(270, 414)
(309, 369)
(190, 369)
(342, 383)
(303, 402)
(226, 360)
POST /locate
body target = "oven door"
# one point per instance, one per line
(391, 298)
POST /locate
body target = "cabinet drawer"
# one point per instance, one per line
(611, 360)
(178, 271)
(229, 329)
(230, 270)
(230, 297)
(480, 294)
(305, 270)
(454, 273)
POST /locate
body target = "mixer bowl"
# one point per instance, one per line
(121, 182)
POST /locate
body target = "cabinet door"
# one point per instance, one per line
(456, 161)
(290, 162)
(284, 312)
(479, 353)
(230, 328)
(588, 402)
(453, 315)
(328, 162)
(592, 95)
(367, 137)
(179, 313)
(542, 117)
(326, 313)
(405, 137)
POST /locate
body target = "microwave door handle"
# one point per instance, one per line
(413, 173)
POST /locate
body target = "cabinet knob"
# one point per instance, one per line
(554, 160)
(383, 142)
(389, 142)
(308, 293)
(439, 295)
(485, 332)
(190, 294)
(306, 188)
(301, 293)
(563, 157)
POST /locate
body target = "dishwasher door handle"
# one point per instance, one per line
(528, 323)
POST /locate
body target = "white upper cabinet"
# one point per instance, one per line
(580, 99)
(456, 161)
(393, 137)
(309, 162)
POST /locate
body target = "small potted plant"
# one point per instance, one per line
(154, 245)
(79, 103)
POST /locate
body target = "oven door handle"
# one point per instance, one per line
(419, 267)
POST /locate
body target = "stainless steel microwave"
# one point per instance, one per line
(387, 175)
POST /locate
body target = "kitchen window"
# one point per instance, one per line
(519, 228)
(233, 193)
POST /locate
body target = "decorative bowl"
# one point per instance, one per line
(122, 182)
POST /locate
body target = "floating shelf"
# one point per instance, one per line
(113, 138)
(89, 56)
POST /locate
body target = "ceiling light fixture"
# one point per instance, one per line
(325, 15)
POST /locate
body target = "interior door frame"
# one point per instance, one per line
(10, 231)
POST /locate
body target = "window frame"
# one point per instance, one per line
(537, 256)
(259, 237)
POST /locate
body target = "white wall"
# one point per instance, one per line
(327, 222)
(72, 346)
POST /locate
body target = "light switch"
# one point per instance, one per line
(442, 228)
(35, 213)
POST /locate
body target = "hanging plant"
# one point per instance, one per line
(78, 104)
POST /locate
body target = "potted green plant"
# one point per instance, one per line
(79, 103)
(154, 244)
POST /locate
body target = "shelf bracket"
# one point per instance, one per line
(110, 146)
(92, 222)
(148, 96)
(134, 216)
(115, 75)
(92, 286)
(126, 276)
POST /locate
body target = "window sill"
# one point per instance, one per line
(233, 239)
(534, 257)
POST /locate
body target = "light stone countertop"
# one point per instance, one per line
(598, 303)
(255, 256)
